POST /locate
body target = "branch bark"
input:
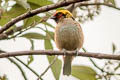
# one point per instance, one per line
(36, 11)
(69, 53)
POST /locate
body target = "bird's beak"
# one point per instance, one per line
(53, 17)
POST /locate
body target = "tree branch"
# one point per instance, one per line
(51, 52)
(10, 32)
(36, 11)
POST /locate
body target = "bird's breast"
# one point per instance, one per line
(68, 36)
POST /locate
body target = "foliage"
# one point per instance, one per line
(4, 77)
(81, 72)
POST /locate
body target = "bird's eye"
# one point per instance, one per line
(58, 14)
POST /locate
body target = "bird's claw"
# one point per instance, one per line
(64, 51)
(76, 52)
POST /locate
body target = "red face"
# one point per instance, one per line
(57, 16)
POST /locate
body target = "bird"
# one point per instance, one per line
(68, 36)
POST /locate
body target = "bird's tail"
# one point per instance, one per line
(67, 65)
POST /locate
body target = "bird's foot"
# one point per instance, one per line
(64, 51)
(76, 52)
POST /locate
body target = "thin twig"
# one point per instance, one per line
(46, 32)
(93, 61)
(30, 26)
(9, 32)
(19, 67)
(27, 67)
(98, 3)
(14, 36)
(48, 67)
(96, 65)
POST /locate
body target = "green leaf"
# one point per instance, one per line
(14, 12)
(113, 2)
(23, 3)
(30, 59)
(40, 2)
(34, 6)
(33, 35)
(5, 6)
(29, 21)
(48, 24)
(48, 44)
(56, 67)
(32, 44)
(4, 77)
(113, 47)
(83, 73)
(0, 2)
(50, 35)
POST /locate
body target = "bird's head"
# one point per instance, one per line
(61, 14)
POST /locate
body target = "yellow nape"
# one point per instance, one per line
(66, 12)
